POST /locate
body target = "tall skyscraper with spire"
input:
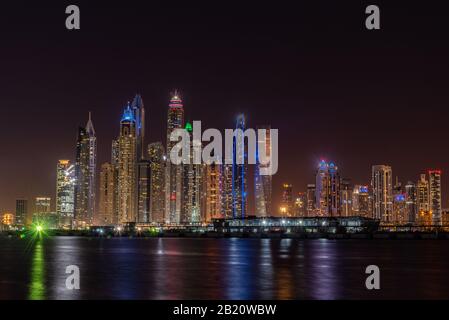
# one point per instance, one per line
(85, 166)
(127, 168)
(173, 176)
(139, 115)
(239, 171)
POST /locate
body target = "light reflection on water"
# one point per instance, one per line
(222, 268)
(37, 282)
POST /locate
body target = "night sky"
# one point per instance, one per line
(309, 68)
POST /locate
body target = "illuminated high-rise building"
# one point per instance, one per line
(327, 190)
(361, 201)
(411, 202)
(435, 195)
(214, 191)
(115, 165)
(300, 206)
(286, 208)
(156, 155)
(143, 187)
(227, 198)
(346, 198)
(262, 183)
(191, 185)
(311, 200)
(400, 215)
(173, 176)
(139, 115)
(21, 217)
(42, 207)
(85, 166)
(382, 193)
(422, 190)
(239, 171)
(107, 195)
(334, 190)
(127, 168)
(322, 189)
(65, 193)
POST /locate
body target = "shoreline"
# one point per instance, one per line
(214, 235)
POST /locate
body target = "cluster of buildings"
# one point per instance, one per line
(141, 185)
(415, 203)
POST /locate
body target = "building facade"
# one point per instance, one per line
(143, 187)
(382, 187)
(173, 175)
(361, 201)
(85, 166)
(21, 217)
(107, 195)
(65, 193)
(435, 196)
(411, 202)
(127, 168)
(239, 171)
(157, 158)
(263, 183)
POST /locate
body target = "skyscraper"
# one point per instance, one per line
(435, 195)
(21, 217)
(346, 198)
(227, 197)
(422, 190)
(411, 202)
(42, 209)
(300, 206)
(214, 191)
(327, 189)
(173, 189)
(107, 195)
(239, 171)
(85, 166)
(143, 187)
(65, 193)
(139, 115)
(311, 199)
(156, 155)
(262, 183)
(361, 201)
(286, 209)
(127, 168)
(400, 215)
(115, 166)
(191, 185)
(382, 193)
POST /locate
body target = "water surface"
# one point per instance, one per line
(179, 268)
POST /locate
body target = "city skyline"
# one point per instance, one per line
(327, 195)
(325, 89)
